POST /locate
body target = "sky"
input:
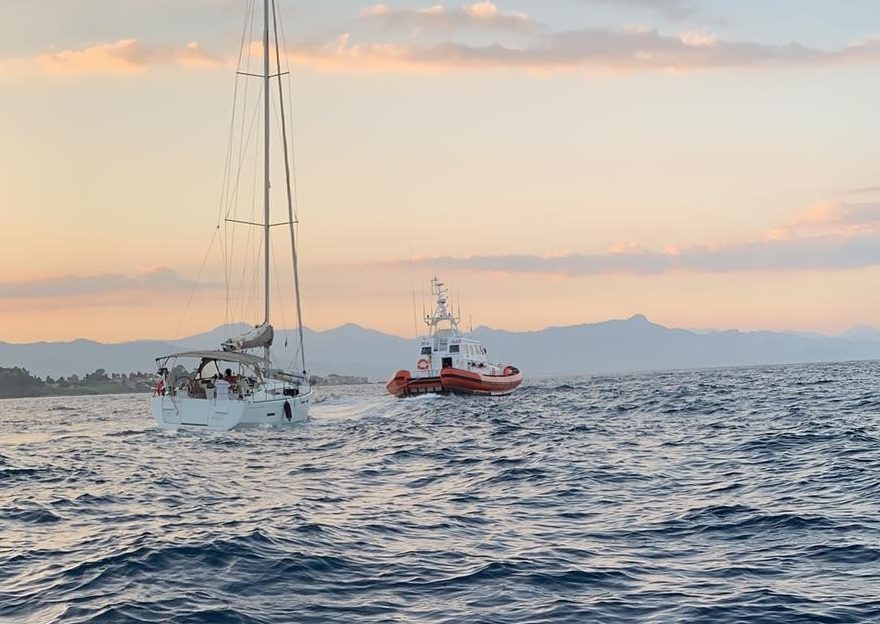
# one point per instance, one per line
(707, 163)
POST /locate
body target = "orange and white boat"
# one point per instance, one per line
(452, 362)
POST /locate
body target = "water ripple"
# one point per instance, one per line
(733, 495)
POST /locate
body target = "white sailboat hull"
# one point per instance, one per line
(176, 412)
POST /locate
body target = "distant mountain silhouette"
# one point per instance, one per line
(638, 344)
(862, 333)
(632, 344)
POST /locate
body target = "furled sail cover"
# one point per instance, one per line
(260, 336)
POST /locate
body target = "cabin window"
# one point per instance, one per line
(426, 350)
(454, 349)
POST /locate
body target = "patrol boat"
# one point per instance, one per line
(450, 361)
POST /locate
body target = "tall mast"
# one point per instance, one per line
(266, 224)
(290, 213)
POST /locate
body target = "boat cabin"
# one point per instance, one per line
(452, 350)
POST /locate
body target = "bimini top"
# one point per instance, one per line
(223, 356)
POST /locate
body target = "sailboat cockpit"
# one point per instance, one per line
(222, 375)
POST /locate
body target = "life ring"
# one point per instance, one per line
(423, 364)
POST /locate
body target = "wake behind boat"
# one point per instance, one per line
(452, 362)
(240, 384)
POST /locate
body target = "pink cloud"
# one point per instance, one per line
(592, 50)
(485, 15)
(831, 237)
(595, 50)
(843, 219)
(672, 9)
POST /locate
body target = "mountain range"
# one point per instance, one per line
(634, 344)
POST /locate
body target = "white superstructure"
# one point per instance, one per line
(445, 346)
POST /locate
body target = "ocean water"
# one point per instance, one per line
(738, 495)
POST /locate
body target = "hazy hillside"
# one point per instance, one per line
(612, 346)
(347, 350)
(638, 344)
(862, 333)
(83, 356)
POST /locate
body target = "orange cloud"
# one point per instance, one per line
(819, 215)
(126, 56)
(594, 50)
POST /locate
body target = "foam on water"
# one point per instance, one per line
(734, 495)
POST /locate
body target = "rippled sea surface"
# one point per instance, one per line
(739, 495)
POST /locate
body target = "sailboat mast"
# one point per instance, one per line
(266, 224)
(290, 213)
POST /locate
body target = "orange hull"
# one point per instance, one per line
(469, 382)
(456, 381)
(404, 385)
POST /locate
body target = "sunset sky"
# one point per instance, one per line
(708, 163)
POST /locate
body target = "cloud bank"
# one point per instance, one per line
(126, 56)
(599, 50)
(827, 237)
(671, 9)
(588, 49)
(155, 281)
(485, 15)
(865, 190)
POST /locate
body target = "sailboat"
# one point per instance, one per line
(451, 362)
(239, 385)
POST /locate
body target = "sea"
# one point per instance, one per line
(735, 495)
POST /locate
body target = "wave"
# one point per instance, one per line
(732, 495)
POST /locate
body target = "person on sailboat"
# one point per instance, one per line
(222, 389)
(232, 381)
